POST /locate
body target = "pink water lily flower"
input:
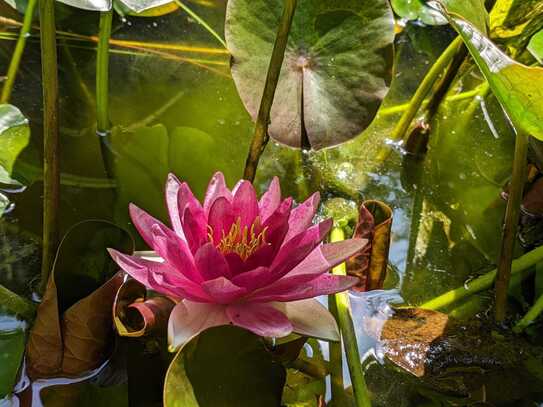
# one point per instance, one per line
(256, 264)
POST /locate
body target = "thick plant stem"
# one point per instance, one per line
(336, 362)
(530, 316)
(102, 73)
(18, 52)
(512, 214)
(483, 282)
(260, 138)
(103, 125)
(345, 321)
(15, 304)
(51, 153)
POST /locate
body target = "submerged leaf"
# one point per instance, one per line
(14, 137)
(134, 315)
(518, 88)
(73, 327)
(336, 71)
(370, 265)
(225, 366)
(417, 10)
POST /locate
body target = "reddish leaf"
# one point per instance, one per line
(370, 264)
(135, 315)
(72, 335)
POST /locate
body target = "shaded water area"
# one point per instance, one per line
(177, 110)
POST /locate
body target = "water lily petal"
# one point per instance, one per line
(143, 223)
(323, 258)
(175, 252)
(217, 188)
(284, 290)
(220, 218)
(276, 228)
(235, 263)
(310, 318)
(172, 191)
(211, 262)
(297, 248)
(194, 227)
(302, 216)
(222, 290)
(253, 279)
(189, 318)
(261, 319)
(270, 200)
(245, 204)
(159, 277)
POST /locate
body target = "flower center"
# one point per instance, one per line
(243, 241)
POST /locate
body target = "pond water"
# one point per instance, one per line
(179, 111)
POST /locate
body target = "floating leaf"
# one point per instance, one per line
(370, 266)
(336, 71)
(134, 315)
(73, 327)
(518, 88)
(14, 137)
(12, 345)
(225, 366)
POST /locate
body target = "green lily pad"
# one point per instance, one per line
(12, 345)
(224, 366)
(518, 88)
(14, 137)
(338, 63)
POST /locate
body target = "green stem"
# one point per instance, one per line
(345, 321)
(15, 304)
(512, 214)
(102, 73)
(483, 282)
(51, 173)
(200, 21)
(260, 138)
(425, 86)
(18, 52)
(336, 361)
(530, 316)
(103, 125)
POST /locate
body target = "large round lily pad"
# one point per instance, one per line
(336, 71)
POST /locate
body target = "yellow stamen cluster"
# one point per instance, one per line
(241, 240)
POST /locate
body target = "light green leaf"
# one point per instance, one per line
(14, 137)
(223, 367)
(338, 63)
(535, 46)
(12, 345)
(519, 88)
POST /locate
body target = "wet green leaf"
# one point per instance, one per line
(12, 345)
(73, 327)
(417, 10)
(519, 88)
(225, 366)
(336, 71)
(535, 46)
(14, 137)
